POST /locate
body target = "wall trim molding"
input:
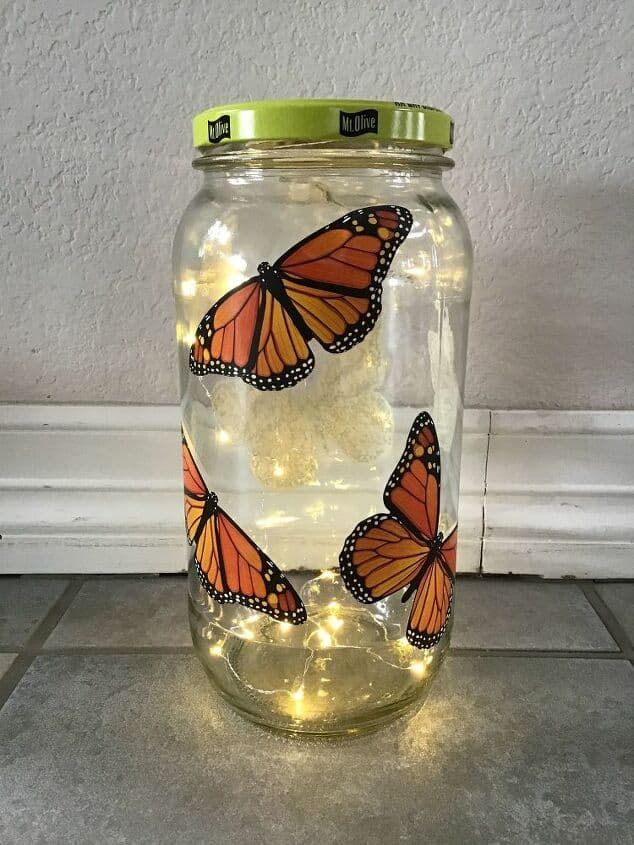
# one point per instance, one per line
(97, 489)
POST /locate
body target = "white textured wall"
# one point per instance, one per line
(95, 149)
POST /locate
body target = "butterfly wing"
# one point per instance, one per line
(334, 276)
(248, 333)
(245, 574)
(433, 601)
(333, 281)
(413, 490)
(449, 550)
(200, 521)
(207, 559)
(196, 492)
(282, 356)
(225, 338)
(230, 566)
(380, 557)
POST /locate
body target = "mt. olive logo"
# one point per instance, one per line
(219, 129)
(353, 123)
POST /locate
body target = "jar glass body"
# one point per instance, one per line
(297, 469)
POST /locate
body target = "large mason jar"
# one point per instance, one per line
(322, 277)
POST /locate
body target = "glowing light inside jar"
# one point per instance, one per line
(275, 520)
(325, 639)
(335, 622)
(217, 233)
(188, 288)
(419, 667)
(223, 437)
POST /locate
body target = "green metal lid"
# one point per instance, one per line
(323, 120)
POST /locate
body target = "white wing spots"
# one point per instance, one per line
(366, 324)
(430, 459)
(288, 378)
(362, 220)
(295, 617)
(419, 639)
(348, 572)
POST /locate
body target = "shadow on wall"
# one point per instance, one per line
(557, 313)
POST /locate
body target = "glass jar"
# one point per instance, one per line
(322, 280)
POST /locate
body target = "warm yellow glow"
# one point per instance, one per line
(335, 622)
(189, 338)
(216, 649)
(285, 627)
(298, 694)
(246, 633)
(333, 605)
(418, 668)
(327, 575)
(297, 697)
(238, 262)
(278, 470)
(322, 693)
(325, 639)
(188, 287)
(275, 520)
(223, 437)
(403, 646)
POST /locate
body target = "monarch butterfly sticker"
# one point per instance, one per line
(230, 566)
(326, 288)
(403, 548)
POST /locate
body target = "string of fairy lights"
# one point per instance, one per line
(295, 699)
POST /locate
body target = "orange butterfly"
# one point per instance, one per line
(403, 548)
(230, 566)
(327, 287)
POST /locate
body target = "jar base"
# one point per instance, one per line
(315, 684)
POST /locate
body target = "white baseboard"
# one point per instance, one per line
(97, 489)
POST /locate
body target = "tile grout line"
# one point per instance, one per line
(122, 650)
(551, 654)
(609, 620)
(31, 648)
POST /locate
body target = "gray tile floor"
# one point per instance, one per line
(110, 733)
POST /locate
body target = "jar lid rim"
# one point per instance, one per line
(323, 120)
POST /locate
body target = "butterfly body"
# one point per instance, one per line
(271, 280)
(327, 288)
(404, 549)
(434, 556)
(210, 509)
